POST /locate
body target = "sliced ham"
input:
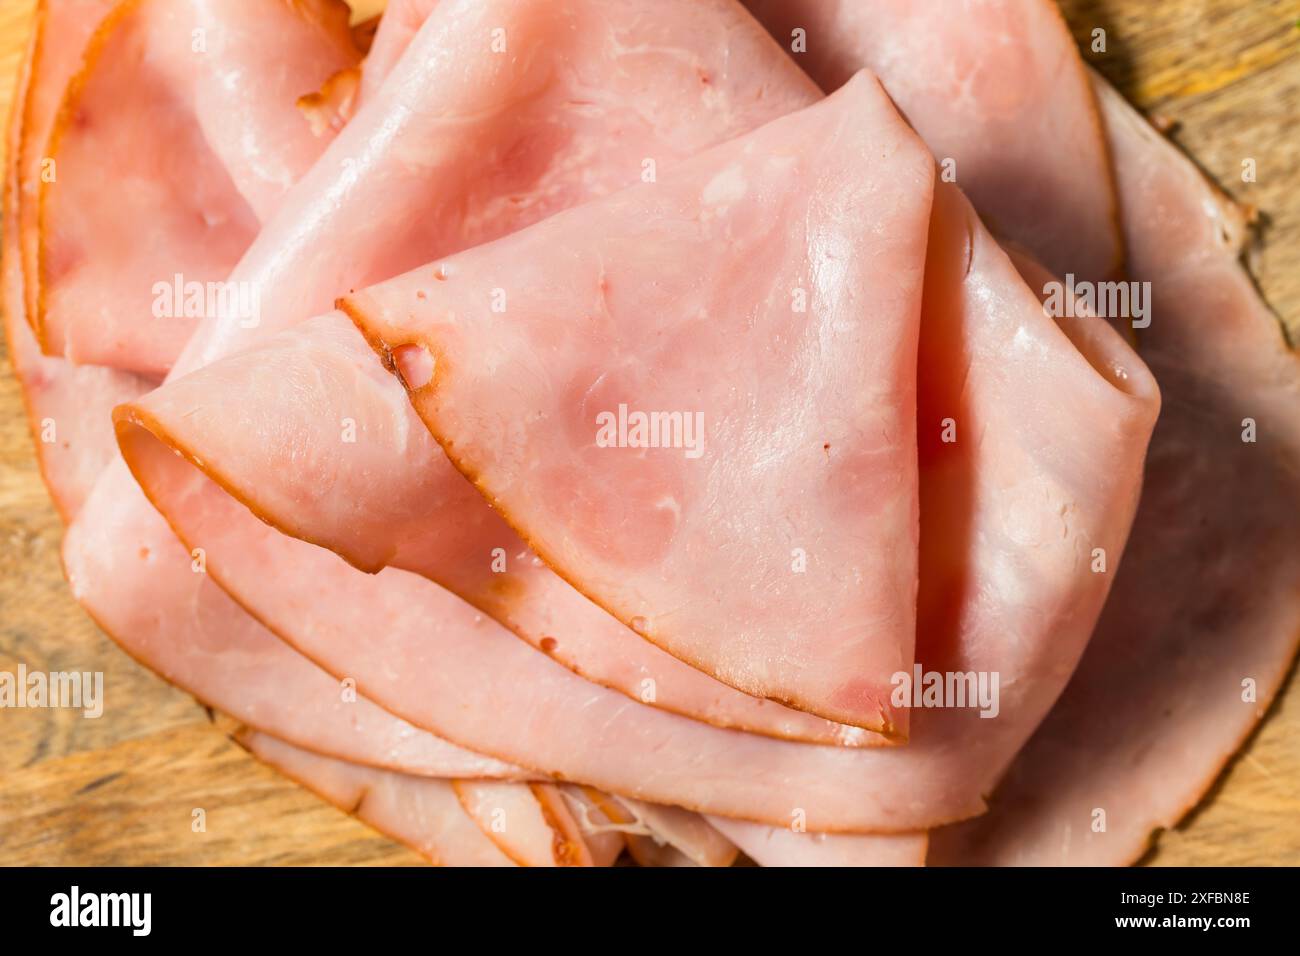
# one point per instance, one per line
(444, 319)
(1012, 512)
(395, 498)
(819, 493)
(604, 837)
(1202, 625)
(781, 846)
(167, 615)
(1066, 486)
(687, 833)
(998, 91)
(61, 31)
(158, 604)
(792, 467)
(532, 825)
(67, 407)
(192, 107)
(421, 813)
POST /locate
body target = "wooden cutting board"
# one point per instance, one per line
(122, 789)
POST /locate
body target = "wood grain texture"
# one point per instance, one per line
(122, 789)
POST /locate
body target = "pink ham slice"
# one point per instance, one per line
(1208, 598)
(421, 813)
(414, 647)
(396, 499)
(803, 481)
(687, 833)
(998, 91)
(532, 824)
(323, 382)
(172, 617)
(67, 407)
(225, 658)
(60, 34)
(777, 846)
(202, 142)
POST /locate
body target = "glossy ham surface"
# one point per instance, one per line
(66, 405)
(620, 420)
(317, 412)
(546, 719)
(784, 372)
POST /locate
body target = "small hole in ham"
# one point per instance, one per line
(414, 365)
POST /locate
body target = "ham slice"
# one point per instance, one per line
(823, 501)
(1048, 483)
(222, 657)
(1192, 647)
(1024, 612)
(59, 37)
(396, 499)
(604, 838)
(998, 91)
(687, 833)
(67, 407)
(423, 814)
(204, 138)
(532, 825)
(778, 846)
(958, 479)
(162, 609)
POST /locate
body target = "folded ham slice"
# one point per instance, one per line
(1192, 646)
(1024, 612)
(61, 31)
(395, 498)
(203, 137)
(998, 91)
(792, 467)
(167, 615)
(66, 406)
(423, 814)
